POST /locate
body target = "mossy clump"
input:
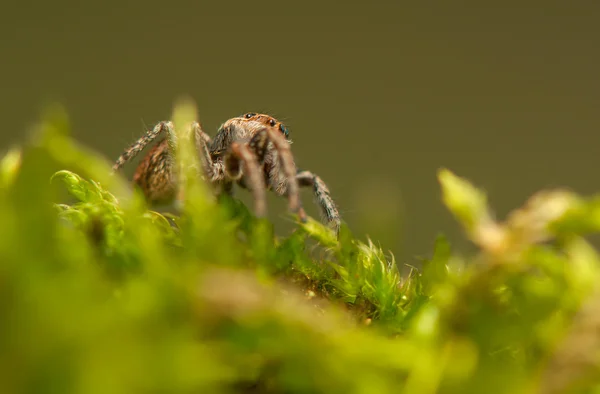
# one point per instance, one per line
(99, 294)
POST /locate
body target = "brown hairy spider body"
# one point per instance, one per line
(153, 175)
(252, 151)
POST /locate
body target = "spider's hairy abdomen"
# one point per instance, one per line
(154, 175)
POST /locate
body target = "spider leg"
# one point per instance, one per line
(141, 143)
(321, 191)
(213, 167)
(209, 168)
(203, 141)
(288, 166)
(239, 154)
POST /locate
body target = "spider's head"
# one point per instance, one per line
(243, 128)
(267, 121)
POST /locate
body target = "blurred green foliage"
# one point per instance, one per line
(102, 295)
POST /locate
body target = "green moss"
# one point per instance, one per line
(98, 294)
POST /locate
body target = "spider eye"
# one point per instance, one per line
(284, 130)
(249, 115)
(272, 122)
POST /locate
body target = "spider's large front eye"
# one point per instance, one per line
(249, 115)
(272, 122)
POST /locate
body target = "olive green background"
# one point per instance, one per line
(377, 94)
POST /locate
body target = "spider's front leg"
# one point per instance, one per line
(259, 144)
(329, 209)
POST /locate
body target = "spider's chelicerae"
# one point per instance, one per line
(252, 150)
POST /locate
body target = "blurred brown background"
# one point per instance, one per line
(378, 95)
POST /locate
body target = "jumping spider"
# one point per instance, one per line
(252, 150)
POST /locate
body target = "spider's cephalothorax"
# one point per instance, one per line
(252, 150)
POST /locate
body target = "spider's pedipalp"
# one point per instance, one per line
(141, 143)
(259, 143)
(240, 162)
(328, 208)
